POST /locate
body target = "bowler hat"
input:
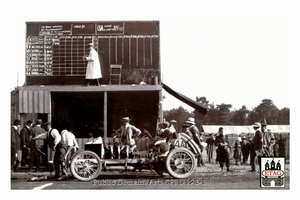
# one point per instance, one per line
(47, 123)
(29, 122)
(38, 121)
(17, 122)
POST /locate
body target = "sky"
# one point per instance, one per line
(238, 56)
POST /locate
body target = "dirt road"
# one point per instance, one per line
(209, 177)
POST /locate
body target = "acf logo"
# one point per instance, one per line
(272, 172)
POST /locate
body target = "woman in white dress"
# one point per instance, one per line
(93, 69)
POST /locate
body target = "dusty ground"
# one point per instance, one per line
(239, 178)
(208, 177)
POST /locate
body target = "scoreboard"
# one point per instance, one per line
(55, 50)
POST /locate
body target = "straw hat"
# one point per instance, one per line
(190, 120)
(125, 119)
(257, 125)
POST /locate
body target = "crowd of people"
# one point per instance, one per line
(263, 143)
(26, 152)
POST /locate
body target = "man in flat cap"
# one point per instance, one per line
(93, 69)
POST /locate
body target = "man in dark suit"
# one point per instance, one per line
(210, 147)
(15, 144)
(26, 136)
(245, 149)
(222, 150)
(35, 154)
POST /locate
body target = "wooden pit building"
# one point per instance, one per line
(55, 89)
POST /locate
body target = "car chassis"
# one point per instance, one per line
(179, 161)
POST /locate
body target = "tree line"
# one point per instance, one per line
(221, 114)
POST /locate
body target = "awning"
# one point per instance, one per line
(34, 101)
(244, 129)
(203, 110)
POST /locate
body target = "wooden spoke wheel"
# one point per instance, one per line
(181, 163)
(86, 166)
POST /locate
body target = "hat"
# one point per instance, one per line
(17, 122)
(38, 121)
(190, 120)
(185, 125)
(257, 125)
(243, 137)
(47, 123)
(166, 123)
(239, 139)
(173, 121)
(125, 119)
(29, 122)
(91, 44)
(264, 122)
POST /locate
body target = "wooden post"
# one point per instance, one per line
(105, 116)
(160, 107)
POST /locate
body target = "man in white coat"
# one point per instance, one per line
(93, 69)
(72, 146)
